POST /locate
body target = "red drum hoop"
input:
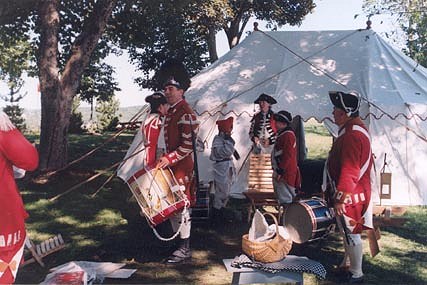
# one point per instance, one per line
(308, 220)
(158, 194)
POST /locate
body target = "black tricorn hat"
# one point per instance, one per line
(266, 98)
(156, 97)
(283, 116)
(173, 72)
(349, 102)
(155, 100)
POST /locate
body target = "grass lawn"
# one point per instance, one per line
(107, 227)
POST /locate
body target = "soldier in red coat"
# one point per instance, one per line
(263, 127)
(286, 175)
(15, 151)
(145, 148)
(348, 167)
(180, 129)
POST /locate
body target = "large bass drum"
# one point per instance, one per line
(308, 220)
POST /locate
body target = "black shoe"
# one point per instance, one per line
(180, 255)
(352, 280)
(357, 280)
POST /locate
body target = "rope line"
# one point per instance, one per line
(111, 138)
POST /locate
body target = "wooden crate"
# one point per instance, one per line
(260, 191)
(260, 176)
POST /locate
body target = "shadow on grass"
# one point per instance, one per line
(109, 228)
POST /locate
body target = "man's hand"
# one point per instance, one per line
(265, 142)
(339, 208)
(256, 140)
(162, 163)
(279, 177)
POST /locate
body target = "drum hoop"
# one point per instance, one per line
(312, 216)
(181, 203)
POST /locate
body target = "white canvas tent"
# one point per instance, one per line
(298, 69)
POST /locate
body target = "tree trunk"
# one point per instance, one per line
(211, 40)
(233, 32)
(53, 140)
(58, 89)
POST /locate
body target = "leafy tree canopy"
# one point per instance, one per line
(20, 23)
(412, 16)
(154, 30)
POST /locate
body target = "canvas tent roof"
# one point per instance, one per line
(298, 69)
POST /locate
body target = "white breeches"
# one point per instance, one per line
(353, 252)
(222, 190)
(284, 192)
(176, 219)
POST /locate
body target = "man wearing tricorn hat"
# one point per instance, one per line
(224, 171)
(348, 172)
(180, 127)
(263, 129)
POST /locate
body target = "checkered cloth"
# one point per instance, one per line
(289, 263)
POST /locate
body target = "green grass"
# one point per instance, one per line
(318, 140)
(107, 227)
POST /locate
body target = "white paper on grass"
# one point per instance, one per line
(92, 271)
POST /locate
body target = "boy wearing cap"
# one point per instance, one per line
(286, 174)
(263, 128)
(181, 125)
(224, 171)
(348, 173)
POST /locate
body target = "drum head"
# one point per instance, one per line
(298, 223)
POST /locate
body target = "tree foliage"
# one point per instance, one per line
(16, 115)
(14, 61)
(107, 118)
(416, 45)
(412, 19)
(76, 119)
(70, 39)
(154, 30)
(67, 38)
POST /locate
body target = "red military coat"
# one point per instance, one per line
(349, 166)
(15, 150)
(179, 124)
(152, 131)
(142, 152)
(285, 157)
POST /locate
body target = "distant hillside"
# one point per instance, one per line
(32, 116)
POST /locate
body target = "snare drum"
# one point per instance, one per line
(308, 220)
(158, 194)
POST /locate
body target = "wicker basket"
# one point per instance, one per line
(267, 251)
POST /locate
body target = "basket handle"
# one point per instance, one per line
(275, 221)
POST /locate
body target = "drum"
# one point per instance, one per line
(308, 220)
(158, 194)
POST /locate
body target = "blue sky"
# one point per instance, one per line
(328, 15)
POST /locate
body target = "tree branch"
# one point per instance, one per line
(85, 43)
